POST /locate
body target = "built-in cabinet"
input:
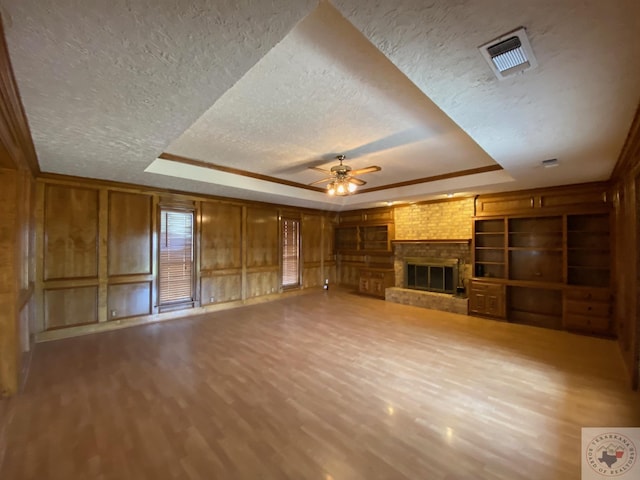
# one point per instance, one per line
(547, 263)
(364, 238)
(364, 250)
(487, 299)
(374, 281)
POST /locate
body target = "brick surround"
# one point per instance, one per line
(433, 250)
(443, 251)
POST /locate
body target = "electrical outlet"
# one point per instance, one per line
(211, 300)
(113, 313)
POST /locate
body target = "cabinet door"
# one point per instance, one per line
(364, 284)
(504, 204)
(477, 302)
(377, 287)
(487, 299)
(494, 305)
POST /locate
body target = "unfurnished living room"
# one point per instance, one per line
(319, 239)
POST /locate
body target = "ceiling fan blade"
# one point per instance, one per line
(357, 181)
(362, 171)
(323, 170)
(324, 180)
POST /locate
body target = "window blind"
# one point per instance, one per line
(176, 257)
(290, 252)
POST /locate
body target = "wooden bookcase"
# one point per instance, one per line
(547, 261)
(363, 247)
(364, 239)
(535, 249)
(489, 248)
(588, 250)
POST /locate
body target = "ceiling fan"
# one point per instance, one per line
(341, 179)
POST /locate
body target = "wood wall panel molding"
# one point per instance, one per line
(71, 282)
(311, 235)
(134, 278)
(129, 300)
(17, 150)
(70, 306)
(221, 272)
(221, 289)
(263, 283)
(262, 237)
(129, 233)
(220, 248)
(263, 268)
(70, 233)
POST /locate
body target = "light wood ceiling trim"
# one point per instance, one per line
(434, 178)
(237, 171)
(267, 178)
(630, 153)
(18, 151)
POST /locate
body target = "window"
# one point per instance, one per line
(176, 257)
(290, 252)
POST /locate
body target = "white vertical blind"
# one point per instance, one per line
(290, 252)
(176, 256)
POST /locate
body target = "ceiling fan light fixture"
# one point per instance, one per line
(342, 178)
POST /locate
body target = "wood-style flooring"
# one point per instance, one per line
(327, 386)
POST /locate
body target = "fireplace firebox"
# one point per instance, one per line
(434, 275)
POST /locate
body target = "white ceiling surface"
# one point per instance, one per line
(275, 87)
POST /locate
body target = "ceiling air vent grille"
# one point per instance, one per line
(509, 54)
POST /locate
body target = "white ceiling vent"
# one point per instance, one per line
(509, 54)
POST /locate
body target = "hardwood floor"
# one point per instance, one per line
(325, 386)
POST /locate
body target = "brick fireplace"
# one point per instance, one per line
(431, 274)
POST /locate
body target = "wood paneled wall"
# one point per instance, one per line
(626, 196)
(71, 226)
(18, 165)
(130, 238)
(97, 251)
(16, 274)
(262, 261)
(318, 263)
(221, 252)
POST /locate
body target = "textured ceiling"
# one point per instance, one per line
(275, 87)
